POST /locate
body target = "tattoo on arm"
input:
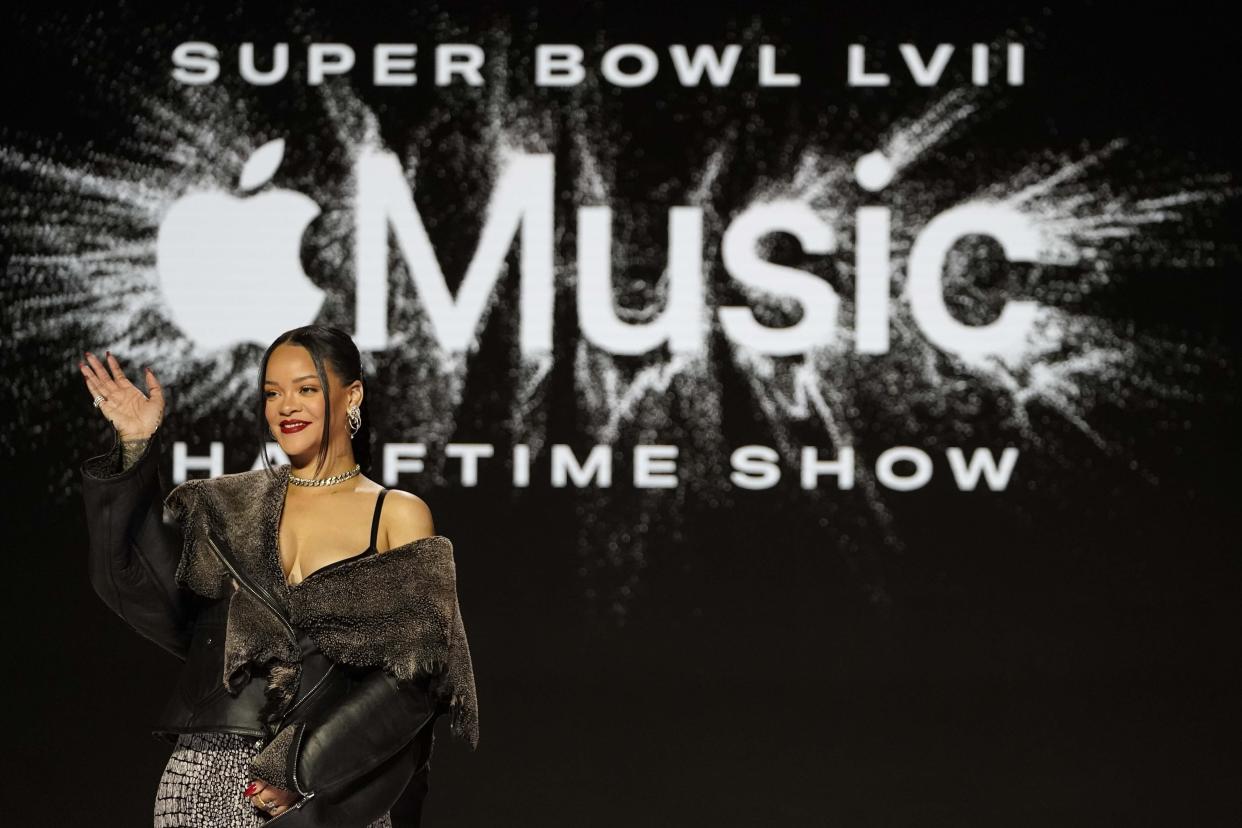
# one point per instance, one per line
(131, 450)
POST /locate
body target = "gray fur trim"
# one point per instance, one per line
(271, 764)
(397, 609)
(403, 615)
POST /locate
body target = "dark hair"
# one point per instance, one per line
(335, 346)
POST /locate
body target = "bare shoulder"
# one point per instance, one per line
(406, 518)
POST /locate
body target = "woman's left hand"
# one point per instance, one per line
(269, 798)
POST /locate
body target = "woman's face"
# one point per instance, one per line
(294, 403)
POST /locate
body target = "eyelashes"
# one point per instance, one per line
(313, 389)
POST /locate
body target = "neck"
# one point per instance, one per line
(304, 467)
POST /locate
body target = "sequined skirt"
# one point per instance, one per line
(203, 782)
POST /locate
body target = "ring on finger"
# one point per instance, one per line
(99, 398)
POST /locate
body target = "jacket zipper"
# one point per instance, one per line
(262, 596)
(306, 796)
(297, 786)
(312, 692)
(291, 808)
(254, 590)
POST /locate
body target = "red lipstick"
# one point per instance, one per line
(292, 426)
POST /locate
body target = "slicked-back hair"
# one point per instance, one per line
(335, 347)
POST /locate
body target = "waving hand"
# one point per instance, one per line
(132, 413)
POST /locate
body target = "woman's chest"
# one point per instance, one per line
(315, 532)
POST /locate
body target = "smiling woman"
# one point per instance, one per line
(339, 728)
(309, 374)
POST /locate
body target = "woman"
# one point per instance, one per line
(313, 673)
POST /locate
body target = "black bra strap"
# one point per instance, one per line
(379, 504)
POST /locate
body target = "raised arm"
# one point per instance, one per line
(133, 554)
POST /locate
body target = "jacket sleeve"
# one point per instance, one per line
(373, 723)
(133, 554)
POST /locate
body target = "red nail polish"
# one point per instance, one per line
(250, 789)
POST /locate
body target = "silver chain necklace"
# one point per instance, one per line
(326, 481)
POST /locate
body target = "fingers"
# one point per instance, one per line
(118, 373)
(111, 376)
(254, 793)
(268, 798)
(92, 384)
(154, 390)
(95, 387)
(101, 374)
(108, 374)
(124, 404)
(265, 804)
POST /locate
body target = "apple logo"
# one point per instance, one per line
(230, 268)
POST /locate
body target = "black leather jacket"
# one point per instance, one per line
(360, 745)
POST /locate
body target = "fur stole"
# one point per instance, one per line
(397, 609)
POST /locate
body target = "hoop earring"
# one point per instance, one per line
(355, 419)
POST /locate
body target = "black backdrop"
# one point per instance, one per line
(1059, 653)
